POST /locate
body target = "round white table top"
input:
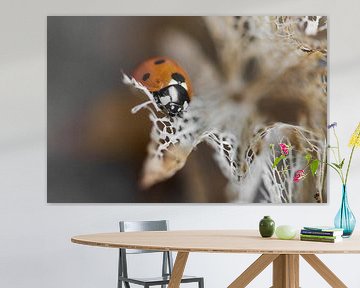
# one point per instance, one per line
(219, 241)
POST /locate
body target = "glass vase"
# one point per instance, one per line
(345, 219)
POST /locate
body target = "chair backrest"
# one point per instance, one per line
(134, 226)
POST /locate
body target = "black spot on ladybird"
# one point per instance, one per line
(160, 61)
(178, 77)
(146, 76)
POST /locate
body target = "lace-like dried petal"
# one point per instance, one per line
(265, 68)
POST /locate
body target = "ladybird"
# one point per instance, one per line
(168, 82)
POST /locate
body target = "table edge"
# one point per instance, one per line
(203, 250)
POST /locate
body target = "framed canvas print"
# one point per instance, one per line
(187, 109)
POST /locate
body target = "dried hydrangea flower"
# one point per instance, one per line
(268, 85)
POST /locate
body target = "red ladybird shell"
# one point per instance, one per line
(157, 72)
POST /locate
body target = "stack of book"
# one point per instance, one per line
(321, 234)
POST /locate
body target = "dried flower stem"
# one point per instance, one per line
(338, 150)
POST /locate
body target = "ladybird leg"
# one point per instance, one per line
(180, 114)
(156, 97)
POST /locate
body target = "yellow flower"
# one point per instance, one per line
(355, 138)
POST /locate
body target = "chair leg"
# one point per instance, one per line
(201, 283)
(120, 273)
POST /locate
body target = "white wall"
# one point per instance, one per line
(35, 248)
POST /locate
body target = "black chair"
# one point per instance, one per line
(167, 265)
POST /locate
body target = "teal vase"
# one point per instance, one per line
(345, 219)
(266, 227)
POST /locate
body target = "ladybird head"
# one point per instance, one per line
(172, 99)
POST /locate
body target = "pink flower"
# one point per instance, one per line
(299, 174)
(284, 148)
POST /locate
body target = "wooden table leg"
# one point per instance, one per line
(286, 271)
(324, 271)
(293, 261)
(253, 270)
(178, 269)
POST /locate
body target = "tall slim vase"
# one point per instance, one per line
(345, 219)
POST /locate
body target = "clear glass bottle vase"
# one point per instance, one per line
(345, 219)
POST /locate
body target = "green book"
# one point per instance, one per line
(319, 236)
(325, 240)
